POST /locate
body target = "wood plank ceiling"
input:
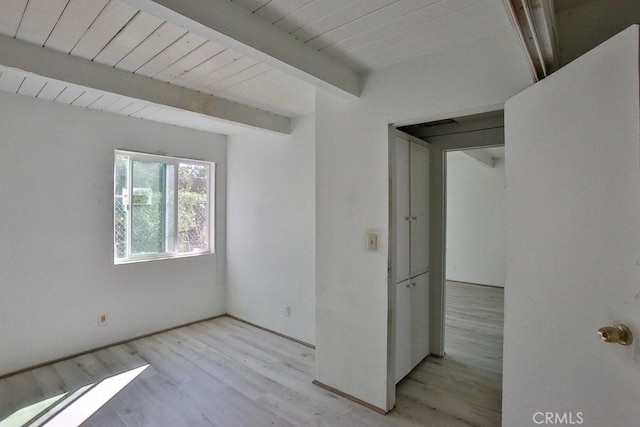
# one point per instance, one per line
(363, 34)
(371, 34)
(118, 35)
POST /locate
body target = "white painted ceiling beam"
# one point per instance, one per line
(59, 66)
(534, 23)
(231, 25)
(480, 156)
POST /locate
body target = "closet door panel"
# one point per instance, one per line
(403, 329)
(419, 184)
(419, 318)
(403, 203)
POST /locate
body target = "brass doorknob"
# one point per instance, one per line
(618, 333)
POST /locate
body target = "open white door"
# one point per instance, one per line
(573, 242)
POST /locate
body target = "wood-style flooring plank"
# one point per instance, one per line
(224, 372)
(465, 387)
(474, 323)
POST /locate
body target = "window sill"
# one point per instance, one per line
(161, 257)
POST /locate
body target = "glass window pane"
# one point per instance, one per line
(161, 207)
(193, 226)
(147, 207)
(120, 206)
(170, 221)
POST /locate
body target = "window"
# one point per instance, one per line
(162, 207)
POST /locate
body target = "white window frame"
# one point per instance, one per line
(210, 207)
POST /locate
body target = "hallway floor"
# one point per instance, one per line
(465, 386)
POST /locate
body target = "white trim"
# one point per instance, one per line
(129, 218)
(534, 37)
(135, 259)
(171, 159)
(211, 208)
(513, 19)
(534, 25)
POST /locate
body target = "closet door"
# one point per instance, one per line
(402, 185)
(419, 318)
(419, 205)
(403, 329)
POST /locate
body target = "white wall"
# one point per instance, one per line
(271, 229)
(353, 195)
(56, 217)
(475, 220)
(573, 240)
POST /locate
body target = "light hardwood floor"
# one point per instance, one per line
(466, 384)
(474, 323)
(224, 372)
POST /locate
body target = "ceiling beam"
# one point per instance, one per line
(534, 23)
(59, 66)
(233, 26)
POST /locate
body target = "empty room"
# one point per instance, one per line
(207, 219)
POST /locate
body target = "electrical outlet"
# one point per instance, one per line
(102, 319)
(287, 311)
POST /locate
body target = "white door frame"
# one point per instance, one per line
(437, 227)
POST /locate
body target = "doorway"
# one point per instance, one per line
(462, 133)
(441, 377)
(475, 257)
